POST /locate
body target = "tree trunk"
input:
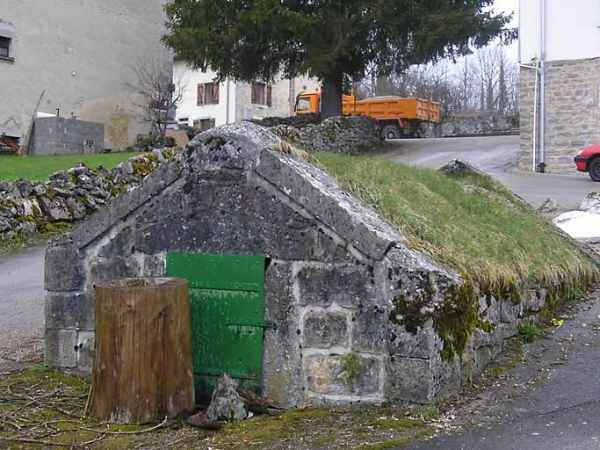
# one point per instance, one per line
(143, 367)
(331, 99)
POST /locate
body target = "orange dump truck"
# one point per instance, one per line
(398, 117)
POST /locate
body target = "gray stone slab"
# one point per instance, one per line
(64, 267)
(69, 310)
(59, 348)
(316, 191)
(325, 329)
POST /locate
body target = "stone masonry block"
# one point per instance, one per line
(69, 310)
(343, 375)
(282, 369)
(105, 269)
(59, 349)
(371, 330)
(64, 269)
(409, 380)
(86, 350)
(325, 329)
(423, 344)
(348, 286)
(154, 265)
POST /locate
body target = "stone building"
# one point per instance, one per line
(296, 287)
(207, 104)
(76, 57)
(566, 60)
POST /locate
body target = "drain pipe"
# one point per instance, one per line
(542, 162)
(227, 101)
(535, 112)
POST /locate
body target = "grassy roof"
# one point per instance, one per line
(468, 222)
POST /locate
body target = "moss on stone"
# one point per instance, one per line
(408, 313)
(352, 367)
(456, 318)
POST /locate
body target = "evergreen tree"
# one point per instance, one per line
(332, 40)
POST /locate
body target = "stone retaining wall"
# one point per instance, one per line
(337, 134)
(572, 112)
(479, 125)
(29, 207)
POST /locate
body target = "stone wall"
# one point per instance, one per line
(29, 207)
(572, 112)
(355, 309)
(479, 125)
(336, 134)
(62, 136)
(299, 121)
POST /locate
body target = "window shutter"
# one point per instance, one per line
(200, 94)
(269, 95)
(215, 98)
(254, 93)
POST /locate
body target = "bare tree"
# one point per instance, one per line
(502, 89)
(486, 81)
(157, 94)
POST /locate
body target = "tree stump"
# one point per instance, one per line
(143, 365)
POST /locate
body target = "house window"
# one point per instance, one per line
(4, 47)
(262, 94)
(208, 94)
(204, 124)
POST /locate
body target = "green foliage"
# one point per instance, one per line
(427, 413)
(528, 331)
(352, 366)
(333, 40)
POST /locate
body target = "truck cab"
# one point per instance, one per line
(308, 103)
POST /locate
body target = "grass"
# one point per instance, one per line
(22, 242)
(469, 222)
(529, 331)
(39, 168)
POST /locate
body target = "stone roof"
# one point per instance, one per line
(246, 146)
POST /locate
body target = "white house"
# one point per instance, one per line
(206, 103)
(559, 52)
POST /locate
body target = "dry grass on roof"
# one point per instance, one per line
(470, 223)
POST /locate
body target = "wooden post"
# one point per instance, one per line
(143, 366)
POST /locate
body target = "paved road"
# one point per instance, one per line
(21, 307)
(498, 156)
(551, 402)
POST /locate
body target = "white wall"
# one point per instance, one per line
(572, 29)
(82, 54)
(190, 79)
(240, 101)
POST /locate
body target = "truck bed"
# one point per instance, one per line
(391, 107)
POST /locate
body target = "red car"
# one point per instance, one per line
(588, 160)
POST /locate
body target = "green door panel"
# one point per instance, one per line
(227, 316)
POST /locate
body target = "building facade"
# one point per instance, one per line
(77, 58)
(559, 52)
(207, 103)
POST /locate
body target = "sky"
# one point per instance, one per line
(510, 6)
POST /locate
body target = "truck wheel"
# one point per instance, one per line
(390, 132)
(594, 169)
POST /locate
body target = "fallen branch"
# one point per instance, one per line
(156, 427)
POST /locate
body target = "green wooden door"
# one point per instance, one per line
(227, 315)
